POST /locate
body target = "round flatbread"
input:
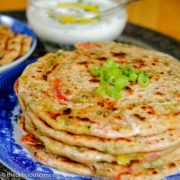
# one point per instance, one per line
(136, 144)
(65, 121)
(60, 90)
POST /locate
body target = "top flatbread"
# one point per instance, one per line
(60, 90)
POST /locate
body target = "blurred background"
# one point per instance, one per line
(159, 15)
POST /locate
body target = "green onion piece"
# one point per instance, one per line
(109, 64)
(96, 71)
(127, 70)
(106, 76)
(115, 72)
(121, 82)
(109, 79)
(112, 74)
(117, 95)
(104, 83)
(139, 71)
(113, 92)
(143, 80)
(133, 76)
(103, 78)
(100, 90)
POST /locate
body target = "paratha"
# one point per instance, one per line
(141, 111)
(101, 169)
(85, 155)
(64, 164)
(154, 142)
(60, 163)
(135, 136)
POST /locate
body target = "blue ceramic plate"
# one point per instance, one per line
(12, 153)
(21, 28)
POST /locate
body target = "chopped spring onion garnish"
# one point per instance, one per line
(133, 76)
(143, 80)
(96, 71)
(115, 77)
(113, 92)
(121, 82)
(100, 90)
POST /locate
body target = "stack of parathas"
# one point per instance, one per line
(69, 127)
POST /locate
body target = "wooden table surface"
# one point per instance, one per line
(160, 15)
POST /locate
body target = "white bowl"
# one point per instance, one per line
(110, 24)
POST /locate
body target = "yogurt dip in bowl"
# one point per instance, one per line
(72, 21)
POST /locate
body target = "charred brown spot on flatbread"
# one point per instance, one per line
(177, 113)
(67, 111)
(153, 170)
(94, 80)
(149, 109)
(108, 104)
(131, 106)
(171, 165)
(135, 161)
(85, 119)
(138, 116)
(83, 63)
(159, 93)
(129, 90)
(51, 70)
(125, 139)
(81, 119)
(102, 58)
(119, 54)
(45, 77)
(140, 63)
(67, 92)
(53, 115)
